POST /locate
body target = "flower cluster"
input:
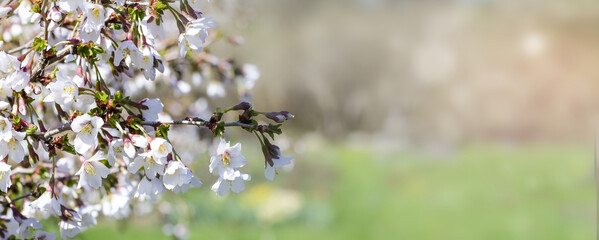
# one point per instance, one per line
(74, 142)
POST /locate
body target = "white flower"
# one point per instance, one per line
(160, 148)
(129, 148)
(4, 11)
(92, 171)
(227, 159)
(89, 213)
(151, 164)
(127, 48)
(195, 36)
(5, 181)
(94, 14)
(8, 63)
(152, 28)
(12, 226)
(18, 79)
(67, 196)
(85, 103)
(87, 128)
(64, 91)
(5, 91)
(147, 64)
(269, 171)
(65, 165)
(14, 147)
(5, 129)
(176, 174)
(71, 227)
(192, 182)
(139, 140)
(236, 185)
(41, 235)
(91, 36)
(116, 149)
(28, 225)
(71, 5)
(149, 189)
(47, 204)
(200, 28)
(187, 42)
(116, 203)
(155, 107)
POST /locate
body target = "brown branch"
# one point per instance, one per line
(67, 126)
(43, 62)
(198, 123)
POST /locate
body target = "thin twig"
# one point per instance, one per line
(43, 62)
(67, 126)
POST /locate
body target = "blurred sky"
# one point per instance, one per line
(425, 72)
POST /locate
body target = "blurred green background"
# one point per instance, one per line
(464, 119)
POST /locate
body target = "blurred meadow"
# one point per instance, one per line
(463, 119)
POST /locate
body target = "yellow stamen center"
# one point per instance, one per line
(89, 169)
(150, 162)
(69, 90)
(12, 144)
(226, 159)
(87, 130)
(96, 12)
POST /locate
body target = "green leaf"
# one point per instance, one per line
(220, 129)
(102, 97)
(31, 129)
(163, 130)
(160, 6)
(118, 96)
(67, 147)
(16, 120)
(84, 51)
(41, 190)
(39, 44)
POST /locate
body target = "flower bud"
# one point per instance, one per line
(279, 117)
(242, 106)
(56, 14)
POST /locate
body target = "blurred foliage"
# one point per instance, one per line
(481, 192)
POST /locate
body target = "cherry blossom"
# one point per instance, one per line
(72, 74)
(236, 184)
(176, 174)
(149, 189)
(71, 226)
(8, 63)
(155, 107)
(5, 181)
(92, 171)
(128, 49)
(87, 128)
(160, 148)
(5, 129)
(151, 164)
(14, 147)
(47, 204)
(269, 171)
(227, 159)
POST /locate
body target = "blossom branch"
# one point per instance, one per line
(199, 123)
(41, 65)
